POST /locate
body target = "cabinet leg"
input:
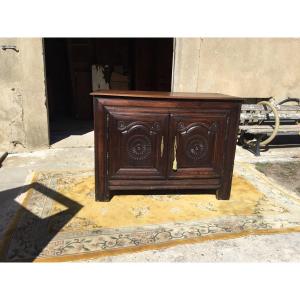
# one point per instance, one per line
(223, 193)
(103, 197)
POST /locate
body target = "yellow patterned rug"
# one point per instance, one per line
(60, 221)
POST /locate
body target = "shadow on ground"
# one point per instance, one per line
(63, 128)
(286, 174)
(40, 237)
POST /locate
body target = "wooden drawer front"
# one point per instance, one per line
(199, 144)
(136, 144)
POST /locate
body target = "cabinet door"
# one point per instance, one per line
(136, 145)
(197, 145)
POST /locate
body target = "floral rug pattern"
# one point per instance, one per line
(60, 221)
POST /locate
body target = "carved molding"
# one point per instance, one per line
(213, 127)
(182, 128)
(125, 126)
(196, 147)
(121, 125)
(155, 128)
(139, 147)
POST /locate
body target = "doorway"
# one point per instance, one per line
(125, 63)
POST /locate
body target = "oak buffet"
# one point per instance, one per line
(161, 140)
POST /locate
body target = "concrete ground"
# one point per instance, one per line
(269, 248)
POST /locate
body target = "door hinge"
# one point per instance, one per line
(107, 120)
(107, 143)
(107, 126)
(107, 162)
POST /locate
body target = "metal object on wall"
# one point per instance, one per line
(2, 157)
(9, 47)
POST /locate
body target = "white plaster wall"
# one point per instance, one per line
(23, 106)
(253, 67)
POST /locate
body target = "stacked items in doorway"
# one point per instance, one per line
(105, 78)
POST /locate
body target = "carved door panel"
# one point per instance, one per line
(136, 144)
(197, 145)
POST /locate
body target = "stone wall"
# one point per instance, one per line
(241, 67)
(253, 67)
(23, 106)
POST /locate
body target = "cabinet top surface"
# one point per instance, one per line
(167, 95)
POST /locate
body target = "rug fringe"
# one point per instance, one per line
(128, 250)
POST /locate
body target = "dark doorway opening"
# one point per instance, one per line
(124, 64)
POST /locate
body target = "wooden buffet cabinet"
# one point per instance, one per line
(162, 140)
